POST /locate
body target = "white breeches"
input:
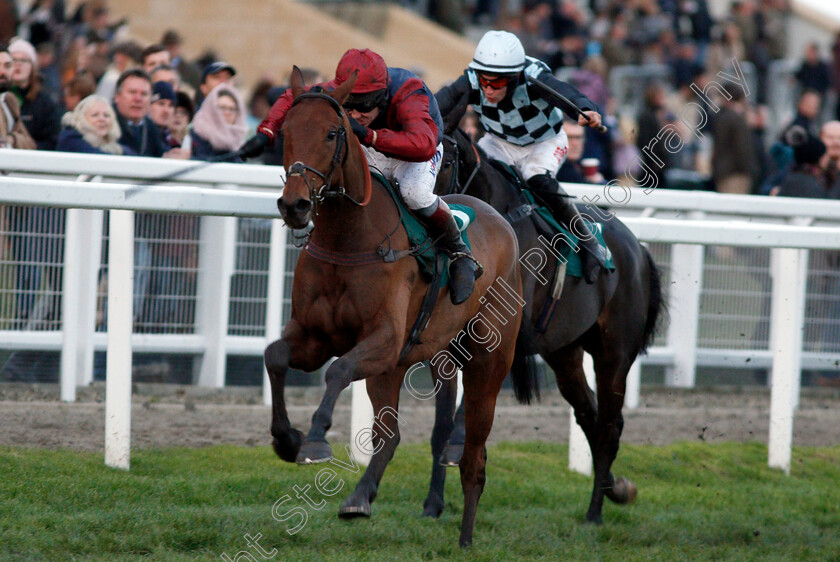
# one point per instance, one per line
(535, 159)
(416, 179)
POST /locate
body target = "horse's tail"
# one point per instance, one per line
(525, 371)
(656, 301)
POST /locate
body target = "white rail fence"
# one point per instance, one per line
(86, 184)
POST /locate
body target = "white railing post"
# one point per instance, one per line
(70, 305)
(789, 279)
(361, 421)
(82, 249)
(274, 296)
(217, 253)
(120, 321)
(580, 456)
(684, 305)
(633, 385)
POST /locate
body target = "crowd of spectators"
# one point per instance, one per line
(74, 81)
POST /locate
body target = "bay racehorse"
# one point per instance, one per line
(613, 320)
(348, 303)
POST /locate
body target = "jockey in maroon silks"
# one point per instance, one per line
(396, 118)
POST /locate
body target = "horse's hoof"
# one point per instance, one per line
(433, 507)
(595, 519)
(354, 508)
(313, 452)
(623, 491)
(451, 455)
(287, 445)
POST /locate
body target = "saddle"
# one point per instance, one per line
(547, 226)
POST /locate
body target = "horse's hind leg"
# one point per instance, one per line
(482, 381)
(611, 370)
(384, 393)
(567, 364)
(444, 407)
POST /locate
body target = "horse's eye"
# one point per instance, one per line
(331, 135)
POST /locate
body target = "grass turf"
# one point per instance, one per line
(696, 501)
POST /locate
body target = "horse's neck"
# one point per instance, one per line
(343, 226)
(489, 184)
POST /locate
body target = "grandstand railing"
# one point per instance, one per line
(223, 194)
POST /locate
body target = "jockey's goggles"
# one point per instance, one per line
(495, 83)
(365, 103)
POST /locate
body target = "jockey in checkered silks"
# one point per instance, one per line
(525, 125)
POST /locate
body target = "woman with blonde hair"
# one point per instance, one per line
(219, 124)
(91, 127)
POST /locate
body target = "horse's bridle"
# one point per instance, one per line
(299, 168)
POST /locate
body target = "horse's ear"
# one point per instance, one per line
(451, 119)
(296, 82)
(345, 89)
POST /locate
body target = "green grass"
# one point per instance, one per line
(696, 501)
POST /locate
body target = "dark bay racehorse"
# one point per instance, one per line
(348, 303)
(613, 320)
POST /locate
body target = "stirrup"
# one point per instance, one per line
(455, 256)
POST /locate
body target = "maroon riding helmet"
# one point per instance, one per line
(371, 86)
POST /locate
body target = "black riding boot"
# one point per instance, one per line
(593, 257)
(463, 269)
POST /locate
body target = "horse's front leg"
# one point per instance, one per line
(382, 441)
(309, 355)
(374, 355)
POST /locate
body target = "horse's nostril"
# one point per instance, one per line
(303, 205)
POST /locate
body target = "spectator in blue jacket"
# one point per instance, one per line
(91, 127)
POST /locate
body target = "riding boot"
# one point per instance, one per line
(463, 268)
(593, 258)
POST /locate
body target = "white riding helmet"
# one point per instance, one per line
(499, 52)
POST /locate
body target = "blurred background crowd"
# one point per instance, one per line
(82, 83)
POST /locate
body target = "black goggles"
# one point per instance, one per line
(365, 103)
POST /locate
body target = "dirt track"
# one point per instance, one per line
(167, 416)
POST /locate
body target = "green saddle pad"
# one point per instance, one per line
(573, 264)
(418, 235)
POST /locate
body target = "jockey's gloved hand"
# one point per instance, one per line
(254, 146)
(359, 130)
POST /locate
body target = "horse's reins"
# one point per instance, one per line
(461, 189)
(299, 169)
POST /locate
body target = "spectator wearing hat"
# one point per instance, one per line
(214, 74)
(190, 73)
(40, 114)
(179, 125)
(12, 132)
(219, 124)
(91, 127)
(162, 106)
(806, 179)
